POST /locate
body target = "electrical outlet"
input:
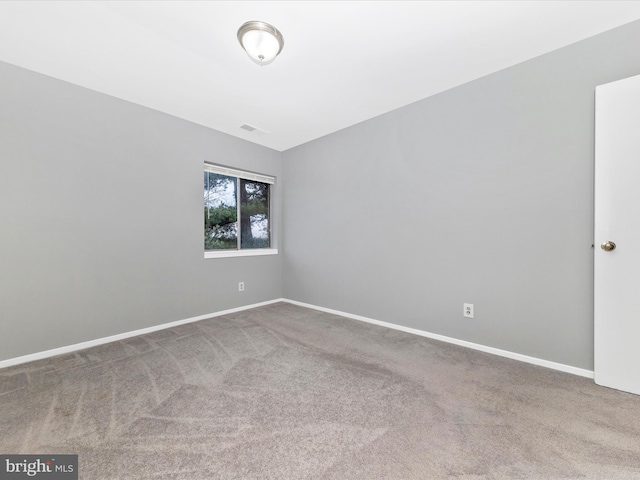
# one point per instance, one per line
(241, 287)
(468, 310)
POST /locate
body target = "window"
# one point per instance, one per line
(236, 212)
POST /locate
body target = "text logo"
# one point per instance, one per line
(49, 467)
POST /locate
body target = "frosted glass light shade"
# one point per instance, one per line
(261, 41)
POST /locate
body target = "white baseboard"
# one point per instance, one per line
(483, 348)
(121, 336)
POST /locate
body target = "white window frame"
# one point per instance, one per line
(256, 177)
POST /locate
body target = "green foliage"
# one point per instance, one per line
(254, 207)
(221, 222)
(220, 228)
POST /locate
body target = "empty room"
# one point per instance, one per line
(319, 240)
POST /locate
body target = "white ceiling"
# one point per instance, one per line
(343, 61)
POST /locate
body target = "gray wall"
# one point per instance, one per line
(481, 194)
(101, 217)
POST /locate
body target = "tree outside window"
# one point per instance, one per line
(236, 211)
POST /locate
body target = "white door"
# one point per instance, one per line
(617, 220)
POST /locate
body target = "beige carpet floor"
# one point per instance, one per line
(284, 392)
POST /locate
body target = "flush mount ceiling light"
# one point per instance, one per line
(263, 42)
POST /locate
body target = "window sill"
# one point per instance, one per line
(240, 253)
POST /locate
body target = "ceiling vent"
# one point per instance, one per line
(251, 128)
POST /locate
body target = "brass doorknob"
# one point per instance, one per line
(608, 246)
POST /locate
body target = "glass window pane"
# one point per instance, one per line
(220, 212)
(254, 214)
